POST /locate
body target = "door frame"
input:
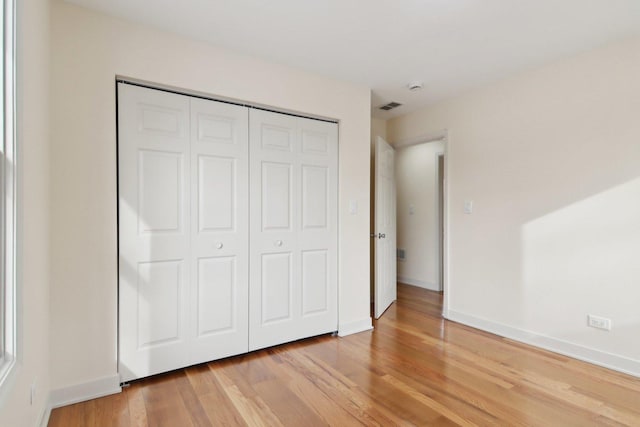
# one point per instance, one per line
(441, 135)
(440, 215)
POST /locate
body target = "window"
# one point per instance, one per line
(7, 193)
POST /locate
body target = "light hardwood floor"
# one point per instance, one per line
(414, 369)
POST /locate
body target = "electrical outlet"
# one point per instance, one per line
(599, 322)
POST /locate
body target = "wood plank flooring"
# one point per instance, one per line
(415, 368)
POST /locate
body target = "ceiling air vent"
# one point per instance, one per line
(390, 106)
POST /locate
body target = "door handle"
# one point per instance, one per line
(381, 235)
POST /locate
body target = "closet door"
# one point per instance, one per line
(183, 231)
(154, 255)
(219, 230)
(293, 234)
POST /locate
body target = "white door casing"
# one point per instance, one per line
(293, 232)
(385, 227)
(183, 217)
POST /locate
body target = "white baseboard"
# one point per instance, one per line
(576, 351)
(355, 327)
(418, 283)
(85, 391)
(44, 420)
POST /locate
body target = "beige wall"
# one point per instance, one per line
(33, 251)
(551, 160)
(417, 232)
(90, 50)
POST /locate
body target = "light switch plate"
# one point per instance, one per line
(468, 206)
(353, 207)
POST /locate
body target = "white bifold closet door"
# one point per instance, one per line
(183, 230)
(293, 235)
(216, 259)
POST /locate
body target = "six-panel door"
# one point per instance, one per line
(187, 245)
(183, 216)
(293, 249)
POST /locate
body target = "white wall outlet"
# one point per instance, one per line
(468, 206)
(411, 209)
(599, 322)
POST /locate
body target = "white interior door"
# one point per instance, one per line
(183, 239)
(293, 233)
(385, 227)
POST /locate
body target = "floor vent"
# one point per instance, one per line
(390, 106)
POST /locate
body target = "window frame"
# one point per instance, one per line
(8, 194)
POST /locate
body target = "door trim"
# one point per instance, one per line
(440, 135)
(440, 198)
(202, 95)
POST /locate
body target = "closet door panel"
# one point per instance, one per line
(274, 264)
(315, 282)
(276, 196)
(183, 213)
(276, 287)
(219, 232)
(160, 191)
(217, 184)
(158, 311)
(153, 150)
(318, 226)
(315, 195)
(216, 295)
(293, 198)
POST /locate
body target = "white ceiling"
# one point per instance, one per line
(450, 45)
